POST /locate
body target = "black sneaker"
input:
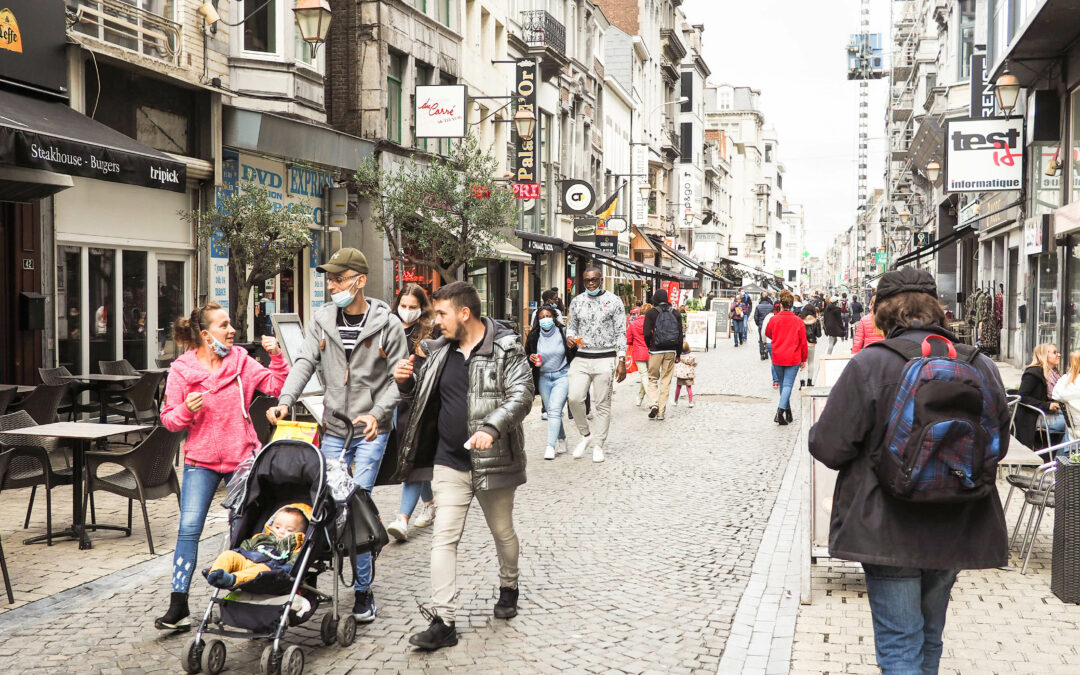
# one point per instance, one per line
(178, 617)
(506, 607)
(437, 635)
(364, 608)
(653, 411)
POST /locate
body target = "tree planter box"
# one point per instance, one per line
(1065, 565)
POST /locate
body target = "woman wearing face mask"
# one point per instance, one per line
(209, 390)
(413, 307)
(550, 357)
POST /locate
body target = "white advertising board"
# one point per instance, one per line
(440, 110)
(984, 155)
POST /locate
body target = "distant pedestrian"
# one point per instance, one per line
(866, 332)
(789, 352)
(685, 369)
(856, 313)
(911, 551)
(768, 342)
(550, 297)
(763, 309)
(833, 324)
(597, 327)
(739, 313)
(813, 332)
(550, 356)
(638, 350)
(663, 333)
(845, 315)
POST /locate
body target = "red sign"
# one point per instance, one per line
(480, 191)
(672, 290)
(527, 190)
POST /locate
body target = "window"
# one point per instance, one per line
(425, 74)
(420, 5)
(780, 181)
(791, 275)
(393, 97)
(778, 241)
(302, 50)
(688, 91)
(442, 11)
(996, 31)
(260, 28)
(686, 143)
(966, 36)
(446, 145)
(768, 153)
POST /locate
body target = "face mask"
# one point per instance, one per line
(547, 323)
(408, 315)
(344, 298)
(217, 346)
(594, 291)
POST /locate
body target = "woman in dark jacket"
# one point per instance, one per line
(1035, 387)
(911, 552)
(813, 332)
(550, 358)
(833, 322)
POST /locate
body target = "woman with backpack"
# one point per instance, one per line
(663, 333)
(911, 551)
(1036, 387)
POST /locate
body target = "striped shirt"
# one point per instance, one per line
(349, 327)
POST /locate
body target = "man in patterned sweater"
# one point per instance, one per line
(597, 328)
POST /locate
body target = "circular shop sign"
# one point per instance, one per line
(577, 196)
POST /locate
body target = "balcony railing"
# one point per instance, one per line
(131, 25)
(542, 30)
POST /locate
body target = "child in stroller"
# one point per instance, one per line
(277, 548)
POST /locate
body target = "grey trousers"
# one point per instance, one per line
(600, 374)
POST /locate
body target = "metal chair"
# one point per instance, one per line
(164, 363)
(1020, 479)
(7, 395)
(146, 473)
(5, 459)
(1039, 494)
(29, 464)
(1012, 401)
(42, 404)
(69, 402)
(138, 401)
(121, 367)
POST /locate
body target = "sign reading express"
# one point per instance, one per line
(984, 155)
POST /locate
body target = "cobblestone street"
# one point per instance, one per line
(633, 565)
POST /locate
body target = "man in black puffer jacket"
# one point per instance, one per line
(764, 308)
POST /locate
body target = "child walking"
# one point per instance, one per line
(684, 374)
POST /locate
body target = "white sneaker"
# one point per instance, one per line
(560, 447)
(691, 404)
(580, 449)
(543, 416)
(675, 402)
(425, 515)
(549, 452)
(598, 453)
(399, 529)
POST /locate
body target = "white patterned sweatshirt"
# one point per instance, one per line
(600, 322)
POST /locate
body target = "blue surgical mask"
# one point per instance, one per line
(344, 298)
(217, 346)
(547, 323)
(595, 291)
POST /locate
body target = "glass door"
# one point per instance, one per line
(69, 320)
(134, 308)
(171, 305)
(101, 285)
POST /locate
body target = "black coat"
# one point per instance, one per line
(763, 309)
(813, 332)
(1032, 392)
(833, 321)
(867, 524)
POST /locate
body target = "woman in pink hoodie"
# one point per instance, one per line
(209, 390)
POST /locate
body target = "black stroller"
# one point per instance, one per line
(283, 473)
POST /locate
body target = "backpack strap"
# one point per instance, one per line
(912, 350)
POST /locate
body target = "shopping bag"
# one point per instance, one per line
(631, 364)
(298, 431)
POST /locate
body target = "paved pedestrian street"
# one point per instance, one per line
(634, 565)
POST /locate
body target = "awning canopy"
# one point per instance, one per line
(632, 267)
(504, 250)
(935, 246)
(540, 243)
(284, 137)
(1049, 33)
(755, 273)
(687, 261)
(50, 136)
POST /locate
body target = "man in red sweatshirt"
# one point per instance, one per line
(789, 350)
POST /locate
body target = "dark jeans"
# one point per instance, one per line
(738, 328)
(908, 606)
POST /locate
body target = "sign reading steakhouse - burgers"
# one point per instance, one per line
(984, 155)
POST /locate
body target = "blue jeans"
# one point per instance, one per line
(1058, 429)
(908, 607)
(738, 328)
(413, 492)
(364, 457)
(554, 388)
(196, 495)
(785, 375)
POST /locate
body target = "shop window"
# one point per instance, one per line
(69, 329)
(133, 319)
(1048, 299)
(1074, 141)
(1046, 195)
(171, 306)
(393, 97)
(1073, 271)
(260, 26)
(101, 284)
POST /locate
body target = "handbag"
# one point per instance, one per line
(631, 364)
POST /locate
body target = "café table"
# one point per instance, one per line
(83, 433)
(101, 383)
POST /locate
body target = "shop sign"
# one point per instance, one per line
(286, 185)
(673, 292)
(527, 151)
(639, 169)
(1036, 234)
(921, 239)
(690, 191)
(440, 110)
(576, 197)
(992, 205)
(533, 246)
(984, 155)
(732, 250)
(615, 224)
(880, 258)
(983, 100)
(32, 45)
(585, 229)
(607, 242)
(969, 211)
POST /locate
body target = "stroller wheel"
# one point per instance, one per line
(346, 630)
(292, 663)
(213, 657)
(328, 629)
(191, 657)
(270, 663)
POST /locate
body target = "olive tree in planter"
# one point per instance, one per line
(263, 240)
(445, 213)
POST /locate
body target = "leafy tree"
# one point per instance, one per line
(443, 214)
(262, 238)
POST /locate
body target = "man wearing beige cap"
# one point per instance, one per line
(357, 341)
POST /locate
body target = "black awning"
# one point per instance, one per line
(687, 261)
(46, 135)
(1048, 35)
(935, 246)
(629, 266)
(540, 243)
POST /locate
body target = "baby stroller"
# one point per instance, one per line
(284, 472)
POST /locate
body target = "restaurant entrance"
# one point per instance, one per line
(21, 303)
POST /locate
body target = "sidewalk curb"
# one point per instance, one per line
(763, 628)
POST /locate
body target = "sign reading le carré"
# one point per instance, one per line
(440, 110)
(984, 155)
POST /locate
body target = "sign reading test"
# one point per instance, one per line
(984, 155)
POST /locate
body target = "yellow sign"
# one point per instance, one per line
(10, 38)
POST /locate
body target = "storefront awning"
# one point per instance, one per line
(540, 243)
(687, 261)
(934, 246)
(50, 136)
(507, 251)
(1049, 33)
(629, 266)
(279, 136)
(755, 273)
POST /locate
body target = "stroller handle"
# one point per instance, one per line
(343, 418)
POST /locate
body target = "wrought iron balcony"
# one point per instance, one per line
(542, 30)
(131, 25)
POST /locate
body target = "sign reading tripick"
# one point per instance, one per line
(984, 155)
(440, 110)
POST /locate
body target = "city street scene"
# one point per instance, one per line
(535, 336)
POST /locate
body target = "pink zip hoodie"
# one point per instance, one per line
(220, 435)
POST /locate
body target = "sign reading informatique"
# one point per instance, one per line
(984, 155)
(440, 110)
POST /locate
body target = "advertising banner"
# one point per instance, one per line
(689, 192)
(527, 151)
(984, 155)
(639, 159)
(33, 45)
(440, 110)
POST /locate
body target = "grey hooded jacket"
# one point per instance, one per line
(500, 396)
(361, 385)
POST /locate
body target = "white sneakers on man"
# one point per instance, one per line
(598, 453)
(580, 449)
(549, 452)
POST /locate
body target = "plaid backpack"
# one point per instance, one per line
(943, 441)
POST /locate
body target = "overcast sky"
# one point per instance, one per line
(793, 51)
